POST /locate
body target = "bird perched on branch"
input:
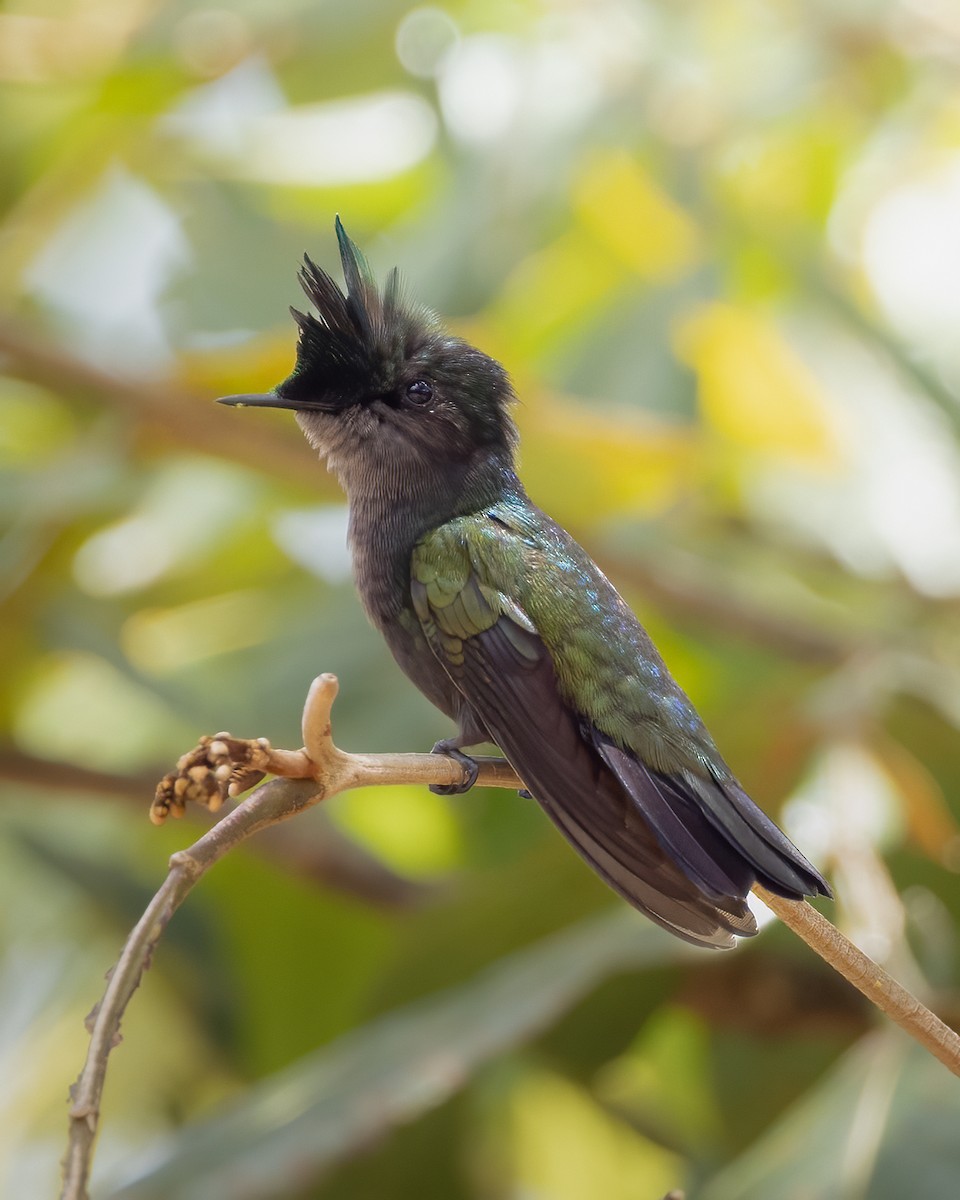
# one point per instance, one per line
(506, 624)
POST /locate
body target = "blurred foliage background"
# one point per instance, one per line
(717, 243)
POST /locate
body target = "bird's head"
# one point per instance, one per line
(379, 386)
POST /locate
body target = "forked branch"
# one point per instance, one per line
(223, 766)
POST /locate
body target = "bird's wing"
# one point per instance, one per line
(712, 828)
(495, 657)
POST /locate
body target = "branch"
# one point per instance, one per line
(327, 857)
(222, 766)
(308, 776)
(867, 977)
(185, 418)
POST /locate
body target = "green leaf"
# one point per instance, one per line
(297, 1124)
(881, 1126)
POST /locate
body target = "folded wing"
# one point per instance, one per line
(499, 663)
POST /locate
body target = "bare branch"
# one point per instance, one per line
(315, 773)
(326, 857)
(867, 977)
(308, 780)
(183, 417)
(273, 802)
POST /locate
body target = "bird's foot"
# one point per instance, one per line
(470, 767)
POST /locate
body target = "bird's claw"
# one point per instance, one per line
(470, 768)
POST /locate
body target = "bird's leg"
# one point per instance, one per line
(471, 733)
(451, 748)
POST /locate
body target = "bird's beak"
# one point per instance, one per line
(274, 400)
(258, 400)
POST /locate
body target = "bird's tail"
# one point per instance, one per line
(714, 832)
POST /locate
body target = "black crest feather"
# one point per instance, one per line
(365, 344)
(355, 333)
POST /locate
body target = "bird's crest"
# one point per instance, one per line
(355, 332)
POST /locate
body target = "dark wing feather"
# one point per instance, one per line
(712, 828)
(708, 859)
(778, 864)
(503, 669)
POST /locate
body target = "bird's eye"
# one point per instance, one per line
(420, 392)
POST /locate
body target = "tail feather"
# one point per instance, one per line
(690, 917)
(713, 831)
(584, 797)
(685, 854)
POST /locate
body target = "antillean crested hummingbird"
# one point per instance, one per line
(506, 624)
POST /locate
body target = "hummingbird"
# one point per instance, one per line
(506, 624)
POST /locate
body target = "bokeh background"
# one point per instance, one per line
(717, 244)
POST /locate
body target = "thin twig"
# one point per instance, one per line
(868, 977)
(319, 771)
(327, 857)
(323, 772)
(272, 802)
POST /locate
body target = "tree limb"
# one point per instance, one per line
(165, 405)
(224, 765)
(307, 777)
(867, 976)
(326, 857)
